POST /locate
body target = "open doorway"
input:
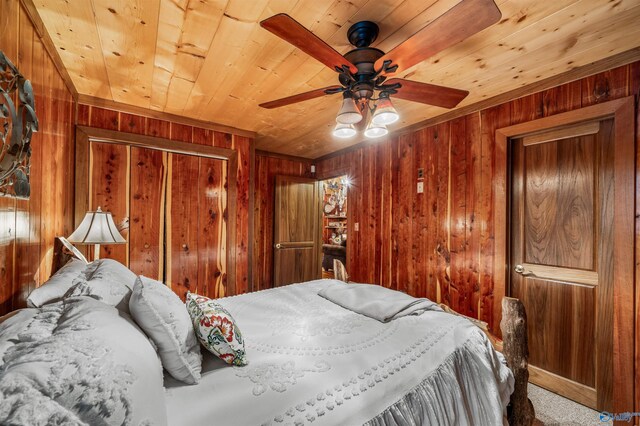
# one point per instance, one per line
(334, 223)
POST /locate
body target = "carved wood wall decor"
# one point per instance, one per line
(17, 126)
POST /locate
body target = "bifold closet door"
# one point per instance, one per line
(196, 225)
(109, 166)
(172, 210)
(146, 218)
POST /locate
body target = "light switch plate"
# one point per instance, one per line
(420, 187)
(356, 226)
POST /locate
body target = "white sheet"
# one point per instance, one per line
(313, 362)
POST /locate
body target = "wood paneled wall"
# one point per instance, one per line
(28, 227)
(125, 122)
(266, 169)
(440, 244)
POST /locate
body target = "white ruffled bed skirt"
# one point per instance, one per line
(437, 399)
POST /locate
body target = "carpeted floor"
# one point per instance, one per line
(553, 409)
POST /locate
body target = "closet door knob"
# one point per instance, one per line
(519, 269)
(278, 246)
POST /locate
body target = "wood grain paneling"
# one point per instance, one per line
(30, 53)
(27, 227)
(605, 310)
(634, 90)
(241, 145)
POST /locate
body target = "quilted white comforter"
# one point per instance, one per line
(78, 362)
(314, 362)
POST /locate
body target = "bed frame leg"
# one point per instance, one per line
(516, 351)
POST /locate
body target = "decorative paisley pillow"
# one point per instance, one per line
(216, 329)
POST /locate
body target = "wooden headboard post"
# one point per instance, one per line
(515, 348)
(516, 351)
(60, 256)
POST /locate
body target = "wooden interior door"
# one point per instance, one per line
(297, 233)
(562, 236)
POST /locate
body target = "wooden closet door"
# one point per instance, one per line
(562, 258)
(172, 209)
(146, 205)
(196, 225)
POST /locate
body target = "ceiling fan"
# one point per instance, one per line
(365, 70)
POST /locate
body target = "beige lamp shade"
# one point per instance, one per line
(385, 113)
(344, 131)
(97, 227)
(349, 112)
(375, 130)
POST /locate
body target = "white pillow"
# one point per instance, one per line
(55, 287)
(109, 270)
(106, 280)
(163, 316)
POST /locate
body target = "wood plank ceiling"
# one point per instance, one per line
(210, 59)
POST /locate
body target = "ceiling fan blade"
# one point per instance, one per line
(430, 94)
(288, 29)
(458, 23)
(301, 97)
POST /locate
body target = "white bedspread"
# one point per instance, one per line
(314, 362)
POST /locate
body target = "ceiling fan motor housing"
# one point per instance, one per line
(363, 58)
(361, 35)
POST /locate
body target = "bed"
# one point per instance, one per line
(310, 362)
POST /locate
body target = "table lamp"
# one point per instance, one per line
(97, 228)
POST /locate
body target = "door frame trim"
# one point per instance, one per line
(85, 135)
(622, 112)
(332, 174)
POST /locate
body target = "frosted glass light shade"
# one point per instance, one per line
(344, 131)
(349, 112)
(375, 130)
(97, 227)
(385, 112)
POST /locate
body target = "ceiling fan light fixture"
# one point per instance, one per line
(344, 131)
(376, 130)
(385, 113)
(349, 112)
